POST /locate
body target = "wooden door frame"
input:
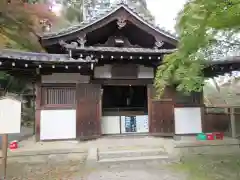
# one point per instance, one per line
(150, 109)
(98, 113)
(125, 84)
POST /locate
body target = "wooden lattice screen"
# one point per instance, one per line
(58, 95)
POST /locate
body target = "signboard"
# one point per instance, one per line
(10, 115)
(134, 124)
(130, 124)
(142, 124)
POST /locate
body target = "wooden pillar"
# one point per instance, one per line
(233, 123)
(202, 106)
(150, 94)
(37, 107)
(203, 118)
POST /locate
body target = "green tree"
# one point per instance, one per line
(20, 22)
(206, 29)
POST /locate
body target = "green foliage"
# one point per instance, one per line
(199, 26)
(19, 24)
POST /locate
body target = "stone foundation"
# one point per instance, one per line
(45, 158)
(191, 146)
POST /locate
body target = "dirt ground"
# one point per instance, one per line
(190, 168)
(77, 171)
(48, 171)
(210, 167)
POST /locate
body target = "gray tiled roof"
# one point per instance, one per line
(130, 8)
(225, 60)
(228, 96)
(127, 50)
(31, 56)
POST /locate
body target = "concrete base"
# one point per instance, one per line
(190, 146)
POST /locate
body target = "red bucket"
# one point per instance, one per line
(13, 145)
(210, 137)
(219, 135)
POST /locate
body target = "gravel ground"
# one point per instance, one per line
(48, 171)
(75, 170)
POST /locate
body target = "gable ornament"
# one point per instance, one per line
(82, 40)
(158, 44)
(121, 22)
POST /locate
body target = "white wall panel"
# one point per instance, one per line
(103, 72)
(58, 124)
(145, 72)
(65, 78)
(188, 120)
(110, 125)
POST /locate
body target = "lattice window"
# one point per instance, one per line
(58, 95)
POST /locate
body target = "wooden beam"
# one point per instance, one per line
(121, 82)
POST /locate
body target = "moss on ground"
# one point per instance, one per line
(210, 167)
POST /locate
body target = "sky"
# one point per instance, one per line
(165, 11)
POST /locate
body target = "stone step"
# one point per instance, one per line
(159, 159)
(128, 147)
(131, 153)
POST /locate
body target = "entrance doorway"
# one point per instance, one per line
(124, 109)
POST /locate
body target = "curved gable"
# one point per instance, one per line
(112, 14)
